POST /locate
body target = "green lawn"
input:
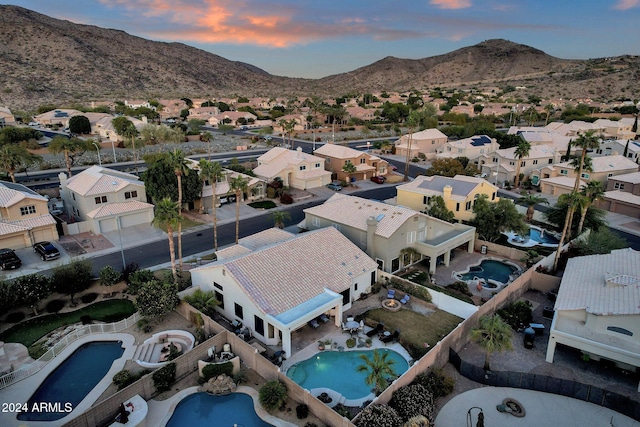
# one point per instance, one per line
(32, 330)
(263, 204)
(186, 223)
(416, 329)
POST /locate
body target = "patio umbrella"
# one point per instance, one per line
(362, 325)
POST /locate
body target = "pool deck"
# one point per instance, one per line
(541, 409)
(22, 390)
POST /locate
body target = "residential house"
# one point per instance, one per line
(501, 165)
(622, 195)
(24, 217)
(6, 117)
(597, 310)
(471, 148)
(426, 142)
(203, 113)
(105, 200)
(232, 118)
(459, 193)
(387, 232)
(274, 282)
(336, 156)
(617, 129)
(296, 169)
(139, 103)
(58, 117)
(364, 114)
(610, 147)
(105, 129)
(560, 178)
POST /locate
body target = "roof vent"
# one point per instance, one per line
(622, 280)
(114, 183)
(379, 217)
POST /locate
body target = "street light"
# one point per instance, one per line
(124, 263)
(98, 150)
(113, 147)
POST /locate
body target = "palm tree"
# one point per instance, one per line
(71, 147)
(127, 130)
(586, 141)
(591, 192)
(522, 150)
(379, 370)
(494, 335)
(573, 200)
(279, 217)
(14, 157)
(413, 121)
(212, 172)
(180, 166)
(167, 214)
(530, 201)
(549, 108)
(349, 168)
(205, 301)
(239, 185)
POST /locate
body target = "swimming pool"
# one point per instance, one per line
(202, 409)
(490, 269)
(337, 370)
(70, 382)
(540, 236)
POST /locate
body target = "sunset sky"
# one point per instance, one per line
(305, 38)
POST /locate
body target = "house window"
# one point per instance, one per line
(426, 200)
(380, 263)
(523, 163)
(220, 299)
(468, 205)
(130, 194)
(619, 330)
(218, 286)
(395, 264)
(317, 165)
(27, 210)
(535, 162)
(411, 237)
(512, 163)
(457, 207)
(550, 161)
(239, 311)
(618, 186)
(373, 278)
(585, 175)
(303, 167)
(101, 199)
(74, 195)
(563, 172)
(336, 226)
(346, 296)
(493, 195)
(259, 325)
(315, 221)
(363, 161)
(609, 175)
(494, 160)
(271, 330)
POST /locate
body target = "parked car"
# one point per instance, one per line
(335, 186)
(9, 260)
(46, 250)
(378, 179)
(394, 168)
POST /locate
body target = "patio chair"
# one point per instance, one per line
(379, 327)
(391, 294)
(313, 323)
(344, 328)
(324, 318)
(405, 299)
(389, 338)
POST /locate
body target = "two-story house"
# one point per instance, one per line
(336, 156)
(390, 234)
(501, 165)
(459, 193)
(105, 199)
(426, 142)
(471, 148)
(622, 195)
(24, 217)
(296, 169)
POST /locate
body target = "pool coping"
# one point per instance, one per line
(22, 390)
(456, 274)
(527, 245)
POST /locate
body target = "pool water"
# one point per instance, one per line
(337, 370)
(490, 269)
(70, 382)
(535, 234)
(202, 409)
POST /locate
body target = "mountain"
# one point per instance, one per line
(47, 60)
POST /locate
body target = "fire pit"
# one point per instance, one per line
(391, 304)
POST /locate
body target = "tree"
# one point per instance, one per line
(556, 215)
(446, 167)
(521, 151)
(626, 149)
(634, 128)
(180, 166)
(30, 289)
(491, 219)
(572, 201)
(379, 370)
(14, 157)
(160, 181)
(530, 201)
(379, 416)
(493, 334)
(548, 109)
(279, 217)
(349, 168)
(273, 395)
(71, 147)
(586, 141)
(412, 400)
(156, 299)
(167, 214)
(239, 185)
(438, 209)
(413, 122)
(127, 130)
(80, 125)
(591, 192)
(212, 172)
(109, 276)
(602, 241)
(205, 301)
(72, 278)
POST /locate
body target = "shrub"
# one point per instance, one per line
(302, 411)
(85, 319)
(54, 306)
(164, 377)
(436, 382)
(461, 287)
(411, 401)
(72, 278)
(15, 317)
(240, 376)
(271, 192)
(138, 278)
(286, 199)
(217, 369)
(128, 270)
(109, 276)
(89, 298)
(144, 325)
(351, 342)
(517, 314)
(123, 379)
(273, 394)
(417, 421)
(199, 335)
(379, 416)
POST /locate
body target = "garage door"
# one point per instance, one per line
(43, 235)
(133, 219)
(15, 242)
(107, 225)
(314, 183)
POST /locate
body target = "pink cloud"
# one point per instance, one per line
(626, 4)
(451, 4)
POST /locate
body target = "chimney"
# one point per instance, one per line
(299, 151)
(62, 176)
(446, 192)
(372, 225)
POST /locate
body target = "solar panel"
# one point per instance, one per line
(477, 141)
(18, 187)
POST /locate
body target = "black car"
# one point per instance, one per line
(9, 260)
(46, 250)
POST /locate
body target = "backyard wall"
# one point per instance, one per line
(494, 249)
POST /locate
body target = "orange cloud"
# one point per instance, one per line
(451, 4)
(626, 4)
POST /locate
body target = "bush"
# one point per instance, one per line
(436, 382)
(72, 278)
(54, 306)
(273, 394)
(240, 376)
(351, 342)
(109, 276)
(411, 289)
(302, 411)
(15, 317)
(138, 278)
(214, 370)
(164, 377)
(128, 270)
(85, 319)
(517, 315)
(123, 379)
(144, 325)
(89, 298)
(379, 416)
(461, 287)
(286, 199)
(411, 401)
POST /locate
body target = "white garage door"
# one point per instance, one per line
(14, 242)
(107, 225)
(44, 235)
(133, 219)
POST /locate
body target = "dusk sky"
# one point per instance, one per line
(305, 38)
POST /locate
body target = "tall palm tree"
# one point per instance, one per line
(573, 200)
(591, 192)
(586, 141)
(349, 168)
(494, 335)
(379, 370)
(127, 130)
(530, 201)
(180, 167)
(71, 147)
(212, 172)
(239, 185)
(279, 218)
(13, 157)
(522, 150)
(413, 121)
(549, 108)
(167, 214)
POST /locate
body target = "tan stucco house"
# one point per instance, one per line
(471, 148)
(336, 156)
(295, 168)
(426, 142)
